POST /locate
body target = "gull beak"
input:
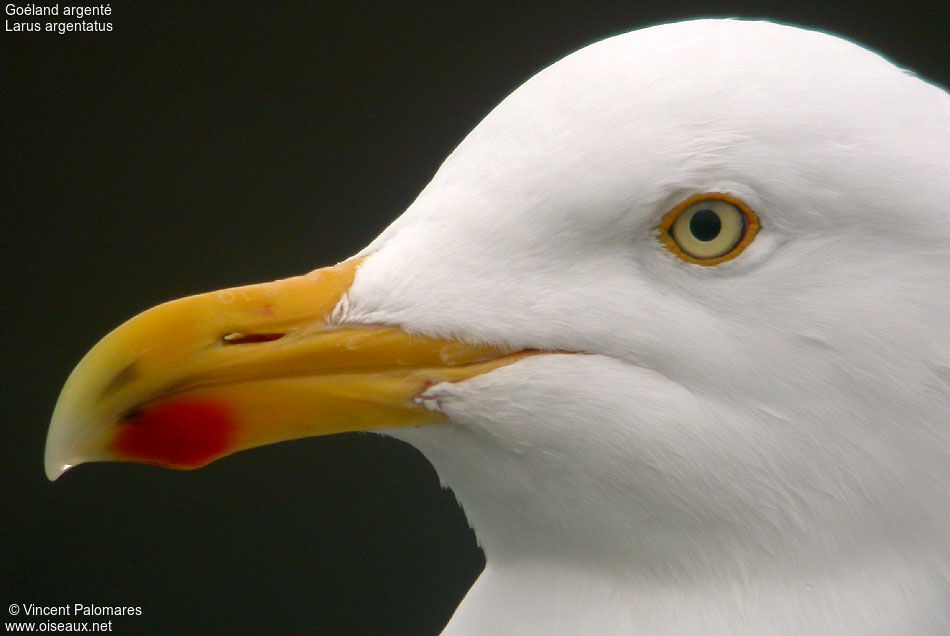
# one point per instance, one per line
(195, 379)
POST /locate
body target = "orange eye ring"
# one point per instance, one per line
(708, 229)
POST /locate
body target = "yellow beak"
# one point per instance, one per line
(195, 379)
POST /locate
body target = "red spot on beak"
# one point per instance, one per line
(183, 434)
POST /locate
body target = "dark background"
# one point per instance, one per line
(203, 145)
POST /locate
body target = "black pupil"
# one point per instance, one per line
(705, 225)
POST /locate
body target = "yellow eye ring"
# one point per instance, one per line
(708, 229)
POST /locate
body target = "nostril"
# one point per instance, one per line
(236, 338)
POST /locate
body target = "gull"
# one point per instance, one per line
(671, 322)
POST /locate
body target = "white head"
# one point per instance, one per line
(792, 403)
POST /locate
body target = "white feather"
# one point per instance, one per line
(760, 447)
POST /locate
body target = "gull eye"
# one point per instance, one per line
(708, 229)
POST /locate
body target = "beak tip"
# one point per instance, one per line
(54, 470)
(56, 458)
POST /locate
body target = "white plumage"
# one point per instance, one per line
(760, 447)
